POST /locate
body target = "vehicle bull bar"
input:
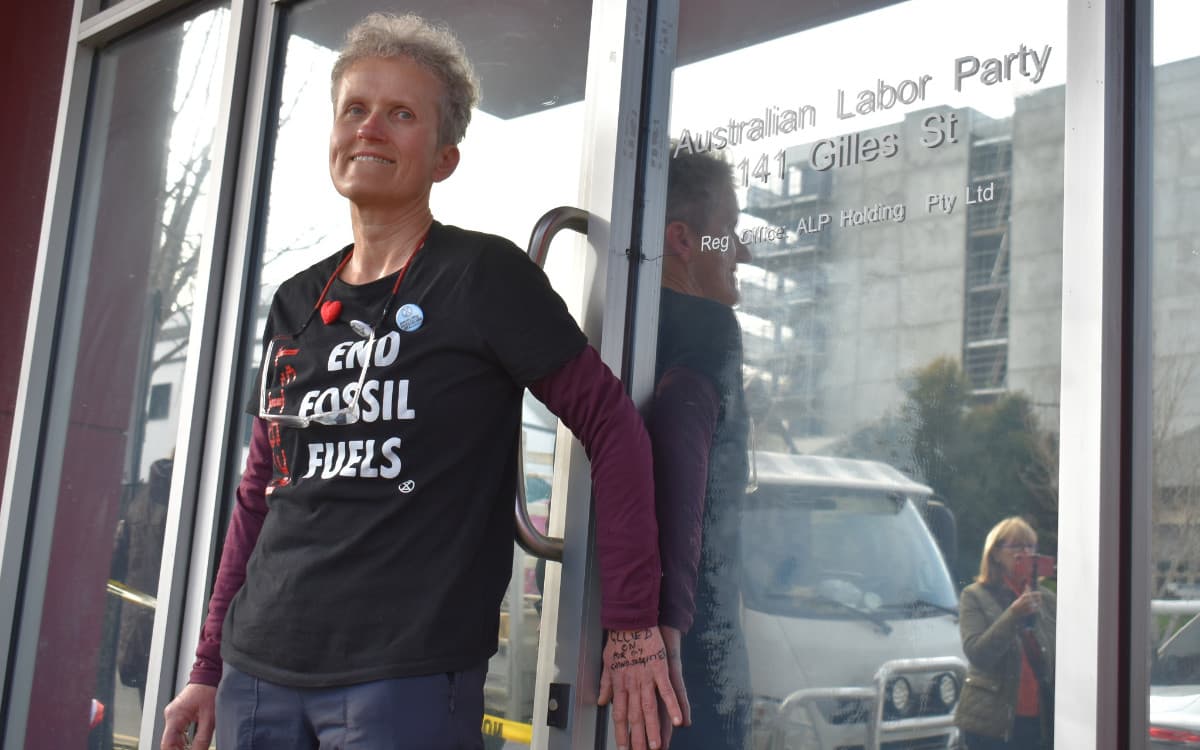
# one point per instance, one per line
(877, 727)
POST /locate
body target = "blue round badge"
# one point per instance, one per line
(409, 317)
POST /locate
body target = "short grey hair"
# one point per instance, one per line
(433, 47)
(696, 183)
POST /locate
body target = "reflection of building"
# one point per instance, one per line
(161, 422)
(1176, 507)
(957, 252)
(909, 262)
(839, 315)
(1177, 247)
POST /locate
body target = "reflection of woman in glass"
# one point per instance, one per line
(1007, 626)
(698, 427)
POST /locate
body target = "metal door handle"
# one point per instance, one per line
(531, 540)
(551, 223)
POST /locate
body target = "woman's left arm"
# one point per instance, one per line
(590, 401)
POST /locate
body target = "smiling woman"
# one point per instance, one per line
(371, 575)
(890, 332)
(307, 220)
(385, 151)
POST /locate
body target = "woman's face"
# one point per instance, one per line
(384, 149)
(1010, 554)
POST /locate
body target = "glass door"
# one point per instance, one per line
(857, 340)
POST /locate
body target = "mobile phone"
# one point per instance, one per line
(1041, 566)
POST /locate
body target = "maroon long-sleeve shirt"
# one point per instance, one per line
(590, 400)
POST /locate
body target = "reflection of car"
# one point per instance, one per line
(849, 611)
(1175, 590)
(1175, 690)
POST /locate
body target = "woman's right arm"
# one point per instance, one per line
(985, 643)
(196, 703)
(245, 524)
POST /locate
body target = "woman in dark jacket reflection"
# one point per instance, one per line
(1007, 626)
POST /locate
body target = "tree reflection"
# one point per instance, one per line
(987, 459)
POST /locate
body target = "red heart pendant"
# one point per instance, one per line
(330, 310)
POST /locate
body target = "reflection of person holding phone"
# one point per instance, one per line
(699, 427)
(1007, 625)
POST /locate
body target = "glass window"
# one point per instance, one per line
(1175, 536)
(859, 344)
(140, 221)
(160, 401)
(520, 158)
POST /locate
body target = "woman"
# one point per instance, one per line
(1007, 626)
(357, 602)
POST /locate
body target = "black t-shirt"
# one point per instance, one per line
(388, 545)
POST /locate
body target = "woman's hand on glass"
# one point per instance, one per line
(633, 678)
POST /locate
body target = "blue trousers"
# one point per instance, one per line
(432, 712)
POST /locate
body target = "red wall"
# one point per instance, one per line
(32, 57)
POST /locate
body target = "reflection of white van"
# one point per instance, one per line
(849, 611)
